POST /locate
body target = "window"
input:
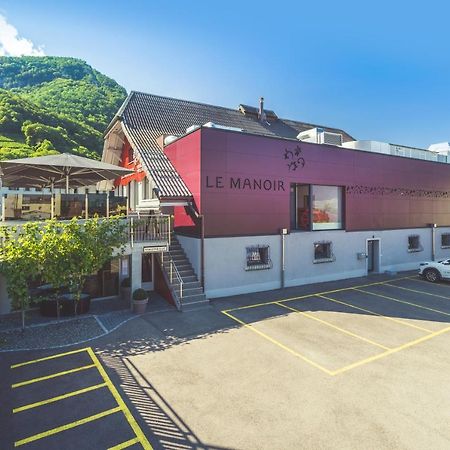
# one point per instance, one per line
(445, 240)
(414, 243)
(258, 257)
(323, 252)
(316, 207)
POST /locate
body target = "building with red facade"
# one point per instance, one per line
(261, 202)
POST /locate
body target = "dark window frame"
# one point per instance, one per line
(330, 257)
(295, 227)
(257, 257)
(443, 245)
(417, 245)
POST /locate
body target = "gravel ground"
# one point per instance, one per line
(52, 335)
(113, 319)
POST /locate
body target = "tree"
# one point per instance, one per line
(19, 262)
(70, 252)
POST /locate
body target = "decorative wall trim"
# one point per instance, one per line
(390, 191)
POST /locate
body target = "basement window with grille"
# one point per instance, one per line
(414, 243)
(323, 252)
(258, 257)
(445, 240)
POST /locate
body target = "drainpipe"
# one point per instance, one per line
(202, 252)
(433, 241)
(283, 233)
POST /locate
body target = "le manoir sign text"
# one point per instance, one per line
(293, 159)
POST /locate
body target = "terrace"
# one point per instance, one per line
(19, 206)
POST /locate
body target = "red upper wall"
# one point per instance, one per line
(243, 181)
(185, 156)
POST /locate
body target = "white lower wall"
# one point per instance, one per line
(225, 258)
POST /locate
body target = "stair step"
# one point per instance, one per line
(177, 258)
(194, 299)
(189, 288)
(188, 292)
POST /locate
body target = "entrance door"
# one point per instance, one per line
(373, 255)
(147, 271)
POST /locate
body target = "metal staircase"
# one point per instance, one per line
(182, 280)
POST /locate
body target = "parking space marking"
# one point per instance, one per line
(67, 426)
(328, 324)
(122, 407)
(404, 302)
(53, 375)
(311, 295)
(279, 344)
(130, 418)
(392, 351)
(59, 397)
(58, 355)
(420, 280)
(125, 444)
(416, 290)
(401, 322)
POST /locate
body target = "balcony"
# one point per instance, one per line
(21, 206)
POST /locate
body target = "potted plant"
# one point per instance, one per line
(125, 289)
(140, 300)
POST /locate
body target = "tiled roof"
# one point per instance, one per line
(145, 117)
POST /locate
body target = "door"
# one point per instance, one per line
(147, 271)
(373, 255)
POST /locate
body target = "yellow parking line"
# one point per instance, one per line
(131, 420)
(404, 302)
(419, 292)
(68, 426)
(279, 344)
(53, 375)
(401, 322)
(420, 280)
(311, 295)
(390, 352)
(59, 397)
(328, 324)
(125, 444)
(58, 355)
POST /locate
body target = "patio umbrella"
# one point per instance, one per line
(63, 170)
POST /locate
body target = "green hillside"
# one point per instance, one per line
(53, 104)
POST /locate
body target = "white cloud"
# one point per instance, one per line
(11, 44)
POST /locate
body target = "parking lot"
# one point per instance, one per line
(364, 322)
(347, 364)
(66, 400)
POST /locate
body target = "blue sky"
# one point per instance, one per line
(380, 70)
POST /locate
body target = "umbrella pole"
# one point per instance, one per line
(67, 183)
(52, 203)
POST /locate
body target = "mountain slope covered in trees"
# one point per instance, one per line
(54, 104)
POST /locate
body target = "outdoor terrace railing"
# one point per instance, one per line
(149, 228)
(140, 228)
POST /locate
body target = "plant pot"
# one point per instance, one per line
(125, 294)
(140, 306)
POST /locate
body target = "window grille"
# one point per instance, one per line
(258, 257)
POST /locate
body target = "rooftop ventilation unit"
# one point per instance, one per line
(169, 139)
(192, 128)
(320, 136)
(221, 127)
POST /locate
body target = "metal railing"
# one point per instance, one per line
(140, 228)
(146, 227)
(174, 278)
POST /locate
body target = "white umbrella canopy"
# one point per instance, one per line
(63, 170)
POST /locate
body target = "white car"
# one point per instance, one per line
(435, 270)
